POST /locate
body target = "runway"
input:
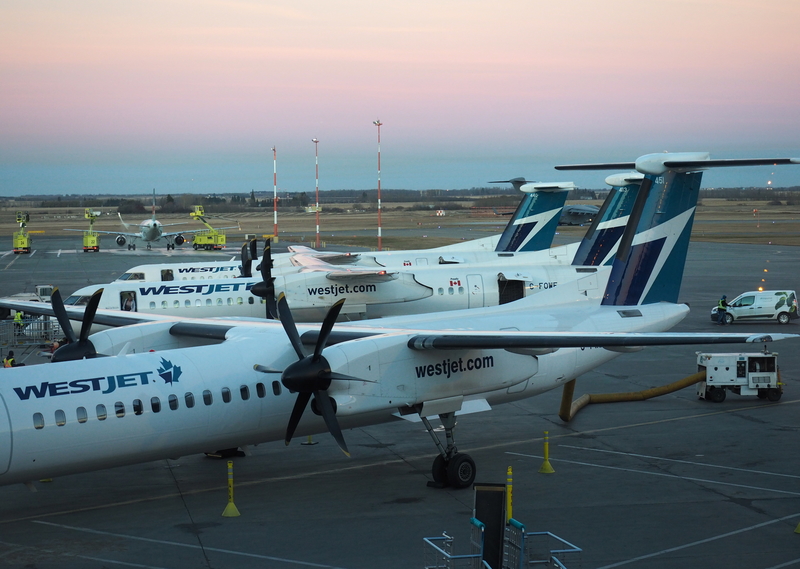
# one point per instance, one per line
(672, 481)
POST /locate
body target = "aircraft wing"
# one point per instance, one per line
(540, 340)
(125, 233)
(174, 233)
(103, 317)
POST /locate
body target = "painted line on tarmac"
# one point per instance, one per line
(662, 474)
(187, 545)
(40, 550)
(702, 541)
(634, 455)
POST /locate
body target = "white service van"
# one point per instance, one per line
(780, 305)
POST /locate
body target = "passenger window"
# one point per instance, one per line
(198, 302)
(164, 304)
(461, 290)
(119, 409)
(440, 291)
(189, 398)
(173, 402)
(138, 408)
(261, 390)
(276, 387)
(450, 290)
(82, 415)
(244, 391)
(208, 302)
(187, 303)
(208, 399)
(61, 418)
(230, 301)
(219, 302)
(152, 305)
(239, 300)
(176, 304)
(101, 412)
(250, 300)
(38, 421)
(155, 404)
(226, 395)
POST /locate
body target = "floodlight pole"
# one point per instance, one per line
(378, 123)
(316, 167)
(275, 192)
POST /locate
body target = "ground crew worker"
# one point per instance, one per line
(9, 360)
(18, 321)
(722, 310)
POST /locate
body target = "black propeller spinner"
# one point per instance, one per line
(266, 288)
(310, 375)
(77, 348)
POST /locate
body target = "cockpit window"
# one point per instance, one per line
(131, 277)
(77, 300)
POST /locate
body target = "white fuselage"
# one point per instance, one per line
(57, 419)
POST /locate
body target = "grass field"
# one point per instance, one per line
(716, 220)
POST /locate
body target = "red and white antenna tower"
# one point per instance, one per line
(378, 123)
(275, 192)
(316, 167)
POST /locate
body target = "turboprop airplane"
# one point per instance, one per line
(531, 228)
(578, 214)
(372, 293)
(150, 230)
(170, 387)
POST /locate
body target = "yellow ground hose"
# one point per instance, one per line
(569, 408)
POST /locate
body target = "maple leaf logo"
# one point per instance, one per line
(168, 372)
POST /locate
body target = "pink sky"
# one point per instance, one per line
(496, 84)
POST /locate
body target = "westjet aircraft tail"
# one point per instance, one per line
(600, 242)
(534, 223)
(649, 263)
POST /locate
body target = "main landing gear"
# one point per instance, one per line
(450, 467)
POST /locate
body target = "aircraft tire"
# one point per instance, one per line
(461, 471)
(439, 470)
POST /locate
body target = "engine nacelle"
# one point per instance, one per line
(179, 239)
(121, 240)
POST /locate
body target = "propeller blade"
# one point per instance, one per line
(326, 409)
(289, 326)
(247, 262)
(297, 412)
(253, 249)
(88, 314)
(61, 315)
(327, 326)
(269, 283)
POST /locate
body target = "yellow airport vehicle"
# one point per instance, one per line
(91, 239)
(22, 240)
(213, 239)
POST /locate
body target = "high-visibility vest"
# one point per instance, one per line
(18, 318)
(8, 362)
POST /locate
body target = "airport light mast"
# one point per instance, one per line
(378, 123)
(316, 167)
(275, 192)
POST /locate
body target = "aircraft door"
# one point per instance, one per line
(5, 437)
(422, 262)
(475, 291)
(127, 300)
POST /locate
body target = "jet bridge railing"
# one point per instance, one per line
(439, 550)
(31, 332)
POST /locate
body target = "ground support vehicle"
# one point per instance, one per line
(743, 374)
(22, 240)
(778, 305)
(91, 239)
